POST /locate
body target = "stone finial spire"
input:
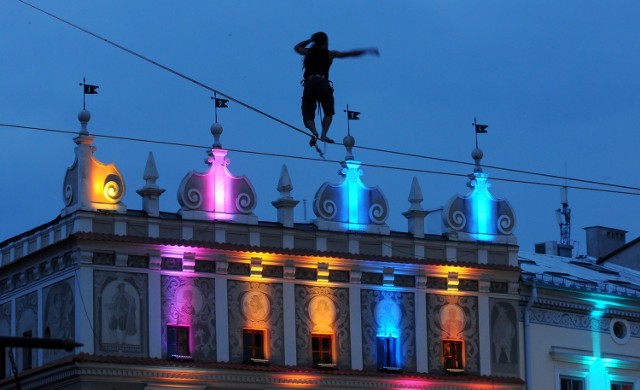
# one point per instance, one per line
(416, 214)
(84, 117)
(150, 193)
(349, 142)
(216, 131)
(477, 155)
(285, 204)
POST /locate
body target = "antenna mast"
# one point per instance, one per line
(563, 215)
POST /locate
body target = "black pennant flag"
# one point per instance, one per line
(480, 129)
(221, 103)
(90, 89)
(353, 115)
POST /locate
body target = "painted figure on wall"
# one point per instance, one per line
(187, 309)
(255, 306)
(122, 315)
(503, 335)
(452, 320)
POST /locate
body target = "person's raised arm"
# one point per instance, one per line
(301, 47)
(355, 53)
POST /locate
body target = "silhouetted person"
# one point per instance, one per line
(317, 87)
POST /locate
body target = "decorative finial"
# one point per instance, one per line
(477, 155)
(216, 130)
(349, 142)
(284, 184)
(84, 117)
(415, 195)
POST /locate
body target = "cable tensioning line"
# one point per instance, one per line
(168, 69)
(185, 77)
(380, 166)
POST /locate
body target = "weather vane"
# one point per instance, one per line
(219, 103)
(480, 129)
(351, 116)
(88, 89)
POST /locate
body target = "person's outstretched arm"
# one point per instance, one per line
(355, 53)
(301, 47)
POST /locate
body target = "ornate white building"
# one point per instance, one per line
(212, 297)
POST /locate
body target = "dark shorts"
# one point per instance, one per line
(317, 91)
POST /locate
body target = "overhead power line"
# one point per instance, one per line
(284, 123)
(380, 166)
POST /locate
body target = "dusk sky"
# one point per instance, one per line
(557, 82)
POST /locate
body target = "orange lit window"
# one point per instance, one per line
(322, 349)
(453, 355)
(253, 345)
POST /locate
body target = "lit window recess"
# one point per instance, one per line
(322, 350)
(571, 383)
(621, 386)
(178, 342)
(453, 356)
(388, 354)
(253, 344)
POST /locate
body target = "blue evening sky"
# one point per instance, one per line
(558, 83)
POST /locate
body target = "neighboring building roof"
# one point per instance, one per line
(581, 274)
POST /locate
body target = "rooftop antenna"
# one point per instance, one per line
(563, 215)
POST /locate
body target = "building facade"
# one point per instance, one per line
(211, 297)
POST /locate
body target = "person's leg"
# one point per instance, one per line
(326, 123)
(308, 113)
(327, 102)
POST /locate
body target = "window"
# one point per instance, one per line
(571, 383)
(388, 353)
(621, 386)
(253, 346)
(453, 355)
(27, 353)
(322, 349)
(178, 342)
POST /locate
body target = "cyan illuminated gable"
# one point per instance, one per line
(478, 216)
(217, 194)
(350, 205)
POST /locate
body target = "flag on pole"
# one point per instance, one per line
(90, 89)
(480, 129)
(221, 103)
(353, 115)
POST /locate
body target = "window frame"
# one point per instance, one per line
(387, 348)
(459, 366)
(319, 356)
(255, 352)
(178, 336)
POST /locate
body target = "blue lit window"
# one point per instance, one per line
(388, 353)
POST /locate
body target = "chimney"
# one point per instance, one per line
(603, 240)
